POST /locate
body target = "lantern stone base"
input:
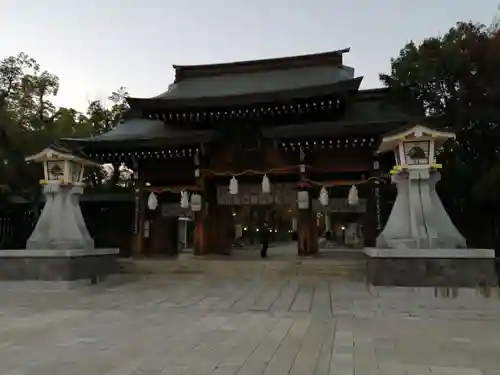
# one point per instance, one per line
(431, 267)
(61, 224)
(418, 219)
(57, 265)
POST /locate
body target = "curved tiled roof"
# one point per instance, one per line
(183, 72)
(139, 129)
(263, 97)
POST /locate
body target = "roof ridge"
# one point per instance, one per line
(284, 62)
(266, 59)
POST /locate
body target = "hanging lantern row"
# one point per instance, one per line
(234, 188)
(150, 154)
(305, 107)
(194, 203)
(337, 143)
(352, 198)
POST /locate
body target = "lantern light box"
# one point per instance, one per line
(415, 146)
(61, 166)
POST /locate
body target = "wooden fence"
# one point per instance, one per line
(109, 223)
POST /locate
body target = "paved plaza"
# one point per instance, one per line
(190, 324)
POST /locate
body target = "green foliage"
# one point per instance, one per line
(29, 121)
(457, 76)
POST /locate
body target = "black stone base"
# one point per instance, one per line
(423, 272)
(92, 267)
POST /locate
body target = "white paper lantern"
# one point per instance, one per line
(196, 202)
(352, 198)
(152, 201)
(233, 186)
(184, 199)
(323, 197)
(266, 185)
(303, 199)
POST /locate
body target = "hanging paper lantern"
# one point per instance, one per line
(152, 201)
(303, 200)
(196, 202)
(323, 196)
(352, 198)
(266, 185)
(184, 199)
(233, 186)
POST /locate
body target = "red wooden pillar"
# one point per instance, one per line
(200, 232)
(307, 231)
(202, 222)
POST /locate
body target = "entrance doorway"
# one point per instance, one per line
(248, 222)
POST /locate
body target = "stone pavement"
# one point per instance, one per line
(189, 325)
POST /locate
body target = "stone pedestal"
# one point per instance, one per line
(420, 246)
(431, 267)
(61, 225)
(60, 247)
(418, 219)
(57, 265)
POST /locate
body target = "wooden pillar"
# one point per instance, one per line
(221, 228)
(307, 231)
(201, 243)
(201, 218)
(138, 219)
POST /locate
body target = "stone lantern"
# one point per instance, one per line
(418, 218)
(61, 225)
(60, 247)
(419, 245)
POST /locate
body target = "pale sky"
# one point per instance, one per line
(95, 46)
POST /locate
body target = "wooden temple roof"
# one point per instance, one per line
(138, 132)
(257, 81)
(255, 92)
(370, 114)
(183, 72)
(243, 99)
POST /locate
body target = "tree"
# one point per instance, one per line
(104, 119)
(29, 121)
(120, 105)
(457, 77)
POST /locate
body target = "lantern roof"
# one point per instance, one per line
(56, 152)
(414, 133)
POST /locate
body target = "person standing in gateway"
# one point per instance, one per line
(264, 239)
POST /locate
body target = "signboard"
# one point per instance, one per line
(281, 194)
(340, 205)
(174, 210)
(251, 194)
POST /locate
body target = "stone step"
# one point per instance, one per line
(348, 268)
